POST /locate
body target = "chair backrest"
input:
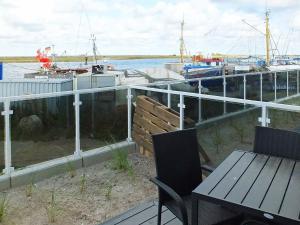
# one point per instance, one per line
(177, 160)
(277, 142)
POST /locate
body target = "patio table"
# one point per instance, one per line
(258, 185)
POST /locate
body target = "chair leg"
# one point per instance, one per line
(159, 213)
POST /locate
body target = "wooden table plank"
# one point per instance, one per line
(239, 191)
(257, 192)
(212, 180)
(275, 193)
(291, 204)
(231, 178)
(266, 185)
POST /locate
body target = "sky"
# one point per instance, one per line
(135, 27)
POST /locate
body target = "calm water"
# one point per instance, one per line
(17, 70)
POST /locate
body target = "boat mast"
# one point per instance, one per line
(267, 39)
(93, 38)
(182, 43)
(53, 54)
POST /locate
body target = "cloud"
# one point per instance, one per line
(142, 27)
(259, 6)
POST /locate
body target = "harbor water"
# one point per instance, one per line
(17, 70)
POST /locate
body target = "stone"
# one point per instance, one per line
(30, 126)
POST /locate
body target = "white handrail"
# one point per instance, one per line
(125, 87)
(224, 99)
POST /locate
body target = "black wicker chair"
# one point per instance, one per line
(277, 142)
(179, 172)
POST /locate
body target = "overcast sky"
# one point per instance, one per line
(146, 26)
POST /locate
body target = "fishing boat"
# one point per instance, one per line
(97, 75)
(198, 66)
(203, 67)
(277, 61)
(49, 69)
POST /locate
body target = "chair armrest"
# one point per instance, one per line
(178, 200)
(207, 168)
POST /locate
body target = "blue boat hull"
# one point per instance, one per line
(206, 83)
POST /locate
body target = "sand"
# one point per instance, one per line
(106, 194)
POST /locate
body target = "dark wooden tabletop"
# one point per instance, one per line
(257, 184)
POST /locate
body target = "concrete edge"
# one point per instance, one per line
(41, 171)
(4, 182)
(44, 170)
(105, 153)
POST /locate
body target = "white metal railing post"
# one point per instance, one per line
(224, 86)
(77, 103)
(261, 87)
(275, 86)
(264, 116)
(199, 102)
(297, 81)
(169, 96)
(181, 112)
(224, 92)
(7, 142)
(287, 83)
(129, 111)
(245, 88)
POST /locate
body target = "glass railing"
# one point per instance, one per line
(281, 85)
(213, 86)
(268, 87)
(282, 119)
(41, 130)
(221, 135)
(253, 87)
(292, 83)
(235, 87)
(50, 126)
(103, 119)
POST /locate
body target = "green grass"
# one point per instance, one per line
(52, 209)
(120, 161)
(82, 183)
(3, 207)
(108, 190)
(29, 189)
(71, 169)
(29, 59)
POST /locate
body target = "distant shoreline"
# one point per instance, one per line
(32, 59)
